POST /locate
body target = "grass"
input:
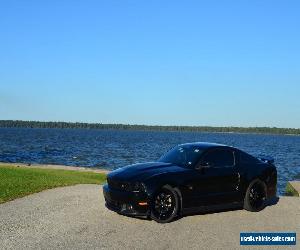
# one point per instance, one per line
(290, 191)
(16, 182)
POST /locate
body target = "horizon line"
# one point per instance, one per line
(156, 125)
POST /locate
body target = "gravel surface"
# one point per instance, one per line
(76, 218)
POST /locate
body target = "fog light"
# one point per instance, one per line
(125, 207)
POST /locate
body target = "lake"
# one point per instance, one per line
(111, 149)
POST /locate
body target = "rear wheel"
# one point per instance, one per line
(255, 196)
(164, 205)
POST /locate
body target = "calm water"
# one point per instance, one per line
(112, 149)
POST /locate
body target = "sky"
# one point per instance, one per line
(216, 63)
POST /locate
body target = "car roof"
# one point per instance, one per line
(205, 145)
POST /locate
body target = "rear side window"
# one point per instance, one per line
(246, 158)
(219, 158)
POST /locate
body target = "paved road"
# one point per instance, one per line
(75, 218)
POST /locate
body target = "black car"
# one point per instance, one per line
(190, 178)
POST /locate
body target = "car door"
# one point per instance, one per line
(217, 178)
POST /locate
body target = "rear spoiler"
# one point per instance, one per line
(266, 159)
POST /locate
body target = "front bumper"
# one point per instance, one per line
(126, 203)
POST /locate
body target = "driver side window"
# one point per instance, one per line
(219, 158)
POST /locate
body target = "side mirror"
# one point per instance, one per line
(203, 165)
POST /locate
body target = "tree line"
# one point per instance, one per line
(82, 125)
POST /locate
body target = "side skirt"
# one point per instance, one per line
(212, 208)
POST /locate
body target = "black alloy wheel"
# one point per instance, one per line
(164, 205)
(255, 196)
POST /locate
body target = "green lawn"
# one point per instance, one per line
(290, 190)
(17, 182)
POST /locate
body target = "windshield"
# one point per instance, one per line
(186, 156)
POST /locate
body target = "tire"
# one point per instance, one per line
(255, 196)
(165, 205)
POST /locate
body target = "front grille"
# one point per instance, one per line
(118, 185)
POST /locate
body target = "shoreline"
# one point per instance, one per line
(53, 166)
(273, 130)
(167, 131)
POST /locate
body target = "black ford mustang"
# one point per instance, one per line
(189, 178)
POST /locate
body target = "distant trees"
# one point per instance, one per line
(82, 125)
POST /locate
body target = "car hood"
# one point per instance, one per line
(142, 171)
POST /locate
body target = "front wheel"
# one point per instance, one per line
(255, 196)
(164, 205)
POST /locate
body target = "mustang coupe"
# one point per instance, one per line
(191, 178)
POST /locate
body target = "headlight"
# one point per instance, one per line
(138, 187)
